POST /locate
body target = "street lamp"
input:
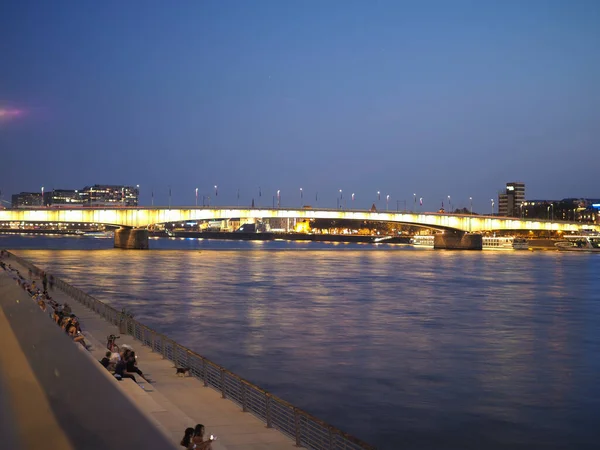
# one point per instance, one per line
(301, 198)
(341, 197)
(196, 197)
(471, 204)
(449, 205)
(415, 202)
(387, 202)
(42, 195)
(278, 198)
(492, 200)
(216, 193)
(353, 200)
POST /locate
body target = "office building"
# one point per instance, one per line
(110, 195)
(511, 199)
(27, 200)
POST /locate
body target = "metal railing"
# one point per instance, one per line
(305, 429)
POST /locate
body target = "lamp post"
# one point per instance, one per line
(278, 198)
(42, 202)
(378, 197)
(449, 205)
(137, 186)
(471, 204)
(492, 200)
(415, 202)
(341, 197)
(387, 202)
(196, 197)
(353, 200)
(301, 198)
(169, 196)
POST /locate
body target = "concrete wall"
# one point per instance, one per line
(131, 238)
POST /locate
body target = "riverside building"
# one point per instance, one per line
(510, 201)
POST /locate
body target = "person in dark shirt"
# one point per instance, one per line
(121, 370)
(106, 360)
(131, 367)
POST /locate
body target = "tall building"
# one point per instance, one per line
(510, 201)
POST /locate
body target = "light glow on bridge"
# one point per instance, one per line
(144, 217)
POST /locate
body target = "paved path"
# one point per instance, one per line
(175, 403)
(52, 394)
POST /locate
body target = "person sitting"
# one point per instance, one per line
(130, 361)
(106, 360)
(76, 335)
(121, 370)
(187, 438)
(67, 309)
(198, 442)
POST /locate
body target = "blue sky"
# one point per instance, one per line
(435, 98)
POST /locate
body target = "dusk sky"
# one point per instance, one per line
(435, 98)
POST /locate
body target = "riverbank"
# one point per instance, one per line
(178, 402)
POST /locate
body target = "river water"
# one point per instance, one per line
(405, 348)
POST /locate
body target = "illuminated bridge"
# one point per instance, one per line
(132, 219)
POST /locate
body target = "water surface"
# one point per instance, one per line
(405, 348)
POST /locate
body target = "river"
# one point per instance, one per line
(405, 348)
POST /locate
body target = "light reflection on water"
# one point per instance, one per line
(406, 349)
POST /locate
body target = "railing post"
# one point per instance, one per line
(223, 394)
(244, 406)
(163, 347)
(204, 375)
(268, 410)
(297, 427)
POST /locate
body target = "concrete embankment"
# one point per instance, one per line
(53, 394)
(238, 236)
(172, 403)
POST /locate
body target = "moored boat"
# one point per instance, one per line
(580, 243)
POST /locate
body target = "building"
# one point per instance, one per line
(511, 200)
(586, 210)
(68, 197)
(110, 195)
(27, 200)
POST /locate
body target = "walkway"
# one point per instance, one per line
(173, 402)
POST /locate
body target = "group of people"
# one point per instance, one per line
(123, 364)
(194, 439)
(60, 314)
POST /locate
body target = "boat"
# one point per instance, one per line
(520, 244)
(95, 234)
(488, 242)
(579, 243)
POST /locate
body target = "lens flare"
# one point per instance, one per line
(10, 113)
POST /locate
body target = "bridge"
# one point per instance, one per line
(134, 219)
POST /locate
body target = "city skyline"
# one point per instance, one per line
(452, 100)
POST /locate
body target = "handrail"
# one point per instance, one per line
(304, 428)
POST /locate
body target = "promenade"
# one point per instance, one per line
(172, 403)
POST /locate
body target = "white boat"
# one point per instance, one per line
(95, 234)
(488, 242)
(580, 243)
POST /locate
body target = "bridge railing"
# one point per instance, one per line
(305, 429)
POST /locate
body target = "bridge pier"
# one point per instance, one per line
(457, 240)
(131, 238)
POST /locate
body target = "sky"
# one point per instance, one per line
(433, 98)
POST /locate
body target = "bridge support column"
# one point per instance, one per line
(131, 238)
(457, 240)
